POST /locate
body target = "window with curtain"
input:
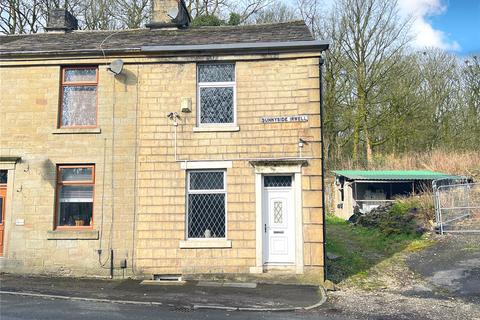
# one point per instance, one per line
(75, 189)
(79, 97)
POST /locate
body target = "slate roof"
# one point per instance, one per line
(133, 40)
(400, 175)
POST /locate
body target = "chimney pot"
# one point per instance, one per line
(60, 20)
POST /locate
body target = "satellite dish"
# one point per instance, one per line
(172, 13)
(116, 67)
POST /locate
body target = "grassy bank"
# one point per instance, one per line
(363, 251)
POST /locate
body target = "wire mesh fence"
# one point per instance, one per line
(457, 207)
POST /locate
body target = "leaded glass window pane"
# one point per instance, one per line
(223, 72)
(206, 204)
(206, 215)
(3, 176)
(206, 180)
(80, 75)
(217, 105)
(79, 106)
(278, 212)
(278, 181)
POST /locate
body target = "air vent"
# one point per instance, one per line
(167, 277)
(165, 280)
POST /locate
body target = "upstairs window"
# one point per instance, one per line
(75, 187)
(79, 97)
(216, 94)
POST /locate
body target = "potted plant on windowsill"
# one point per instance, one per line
(78, 221)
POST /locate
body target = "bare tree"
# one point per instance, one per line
(98, 15)
(133, 13)
(368, 36)
(19, 16)
(246, 9)
(8, 16)
(274, 14)
(31, 16)
(206, 7)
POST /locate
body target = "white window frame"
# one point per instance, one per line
(231, 84)
(209, 191)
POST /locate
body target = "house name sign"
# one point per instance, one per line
(300, 118)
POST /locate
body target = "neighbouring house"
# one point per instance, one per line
(369, 189)
(169, 150)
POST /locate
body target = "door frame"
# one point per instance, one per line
(9, 165)
(294, 169)
(266, 219)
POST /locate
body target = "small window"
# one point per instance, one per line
(216, 94)
(3, 176)
(79, 97)
(277, 181)
(206, 204)
(75, 187)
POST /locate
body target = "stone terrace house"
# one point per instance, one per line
(169, 150)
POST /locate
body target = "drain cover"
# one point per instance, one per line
(183, 309)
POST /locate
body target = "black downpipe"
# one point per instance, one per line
(321, 62)
(111, 263)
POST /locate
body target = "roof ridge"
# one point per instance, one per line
(296, 21)
(291, 22)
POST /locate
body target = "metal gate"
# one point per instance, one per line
(457, 207)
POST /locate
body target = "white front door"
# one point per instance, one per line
(278, 220)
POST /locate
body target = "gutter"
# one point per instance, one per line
(247, 46)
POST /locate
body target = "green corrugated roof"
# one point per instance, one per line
(393, 174)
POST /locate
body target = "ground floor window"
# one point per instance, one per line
(206, 204)
(75, 188)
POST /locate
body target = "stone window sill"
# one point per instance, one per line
(72, 235)
(205, 244)
(217, 129)
(77, 131)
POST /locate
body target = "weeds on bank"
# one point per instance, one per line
(365, 253)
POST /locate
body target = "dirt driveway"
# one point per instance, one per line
(451, 266)
(441, 282)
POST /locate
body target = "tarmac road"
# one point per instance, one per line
(14, 307)
(452, 265)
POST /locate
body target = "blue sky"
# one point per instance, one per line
(460, 22)
(453, 25)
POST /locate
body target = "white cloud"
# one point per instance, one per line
(424, 33)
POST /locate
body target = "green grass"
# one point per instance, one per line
(361, 248)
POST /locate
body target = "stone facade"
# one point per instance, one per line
(140, 180)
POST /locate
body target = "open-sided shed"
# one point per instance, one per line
(368, 189)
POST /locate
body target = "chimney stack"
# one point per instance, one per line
(171, 14)
(60, 20)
